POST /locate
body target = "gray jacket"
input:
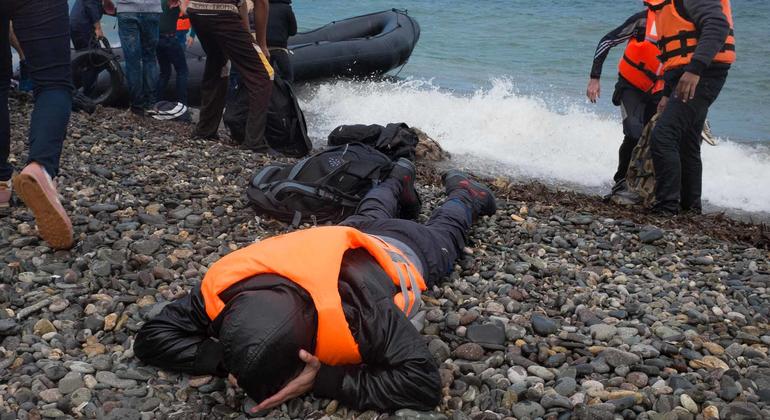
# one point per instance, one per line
(138, 6)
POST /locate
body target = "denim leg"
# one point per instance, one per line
(181, 37)
(164, 63)
(130, 42)
(178, 60)
(149, 27)
(42, 27)
(6, 170)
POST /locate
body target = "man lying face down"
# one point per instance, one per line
(326, 309)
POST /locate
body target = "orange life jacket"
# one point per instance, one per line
(183, 23)
(311, 258)
(678, 37)
(640, 65)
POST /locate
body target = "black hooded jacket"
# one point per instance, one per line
(397, 371)
(281, 23)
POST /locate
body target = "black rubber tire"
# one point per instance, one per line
(108, 92)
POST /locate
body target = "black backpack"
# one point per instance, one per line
(326, 186)
(396, 140)
(286, 129)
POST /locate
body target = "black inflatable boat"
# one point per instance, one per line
(361, 46)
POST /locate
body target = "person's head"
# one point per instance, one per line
(262, 332)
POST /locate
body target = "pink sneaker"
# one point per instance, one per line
(35, 187)
(5, 193)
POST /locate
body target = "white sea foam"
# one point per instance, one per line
(525, 137)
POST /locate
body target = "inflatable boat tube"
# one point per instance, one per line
(361, 46)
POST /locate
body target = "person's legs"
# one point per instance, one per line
(149, 27)
(164, 64)
(215, 76)
(131, 44)
(381, 202)
(279, 59)
(42, 27)
(178, 60)
(6, 70)
(633, 103)
(692, 167)
(181, 37)
(256, 76)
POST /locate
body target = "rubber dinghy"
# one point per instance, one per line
(360, 46)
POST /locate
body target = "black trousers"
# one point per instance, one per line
(224, 38)
(281, 62)
(675, 147)
(637, 109)
(437, 243)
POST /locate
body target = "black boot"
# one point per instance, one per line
(478, 195)
(404, 171)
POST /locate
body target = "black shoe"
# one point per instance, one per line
(482, 199)
(404, 171)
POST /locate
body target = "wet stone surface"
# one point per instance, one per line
(559, 305)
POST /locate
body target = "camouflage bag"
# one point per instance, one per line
(640, 177)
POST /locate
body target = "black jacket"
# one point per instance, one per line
(398, 370)
(281, 23)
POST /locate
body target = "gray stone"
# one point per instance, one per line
(528, 410)
(80, 396)
(469, 351)
(650, 235)
(112, 380)
(121, 413)
(603, 332)
(615, 357)
(543, 325)
(541, 372)
(407, 414)
(70, 382)
(555, 401)
(486, 334)
(439, 349)
(517, 374)
(565, 386)
(741, 411)
(146, 246)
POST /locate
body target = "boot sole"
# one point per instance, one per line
(52, 226)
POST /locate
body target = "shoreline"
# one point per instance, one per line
(560, 304)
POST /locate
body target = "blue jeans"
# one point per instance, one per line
(170, 53)
(181, 37)
(139, 39)
(42, 27)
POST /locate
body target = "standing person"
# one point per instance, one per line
(222, 27)
(697, 46)
(42, 29)
(85, 30)
(85, 23)
(639, 84)
(138, 28)
(281, 24)
(171, 53)
(338, 324)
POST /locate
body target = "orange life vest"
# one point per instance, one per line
(640, 65)
(183, 23)
(311, 258)
(678, 37)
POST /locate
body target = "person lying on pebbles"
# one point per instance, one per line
(326, 309)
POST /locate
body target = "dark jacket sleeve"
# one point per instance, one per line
(177, 339)
(713, 28)
(615, 37)
(398, 371)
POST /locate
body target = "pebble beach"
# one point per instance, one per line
(561, 307)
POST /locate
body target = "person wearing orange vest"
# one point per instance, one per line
(185, 33)
(637, 90)
(697, 46)
(326, 309)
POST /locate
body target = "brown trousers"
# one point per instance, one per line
(224, 38)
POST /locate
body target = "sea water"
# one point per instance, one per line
(501, 85)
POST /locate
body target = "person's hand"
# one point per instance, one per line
(265, 51)
(685, 89)
(99, 32)
(297, 386)
(190, 41)
(662, 104)
(173, 3)
(594, 90)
